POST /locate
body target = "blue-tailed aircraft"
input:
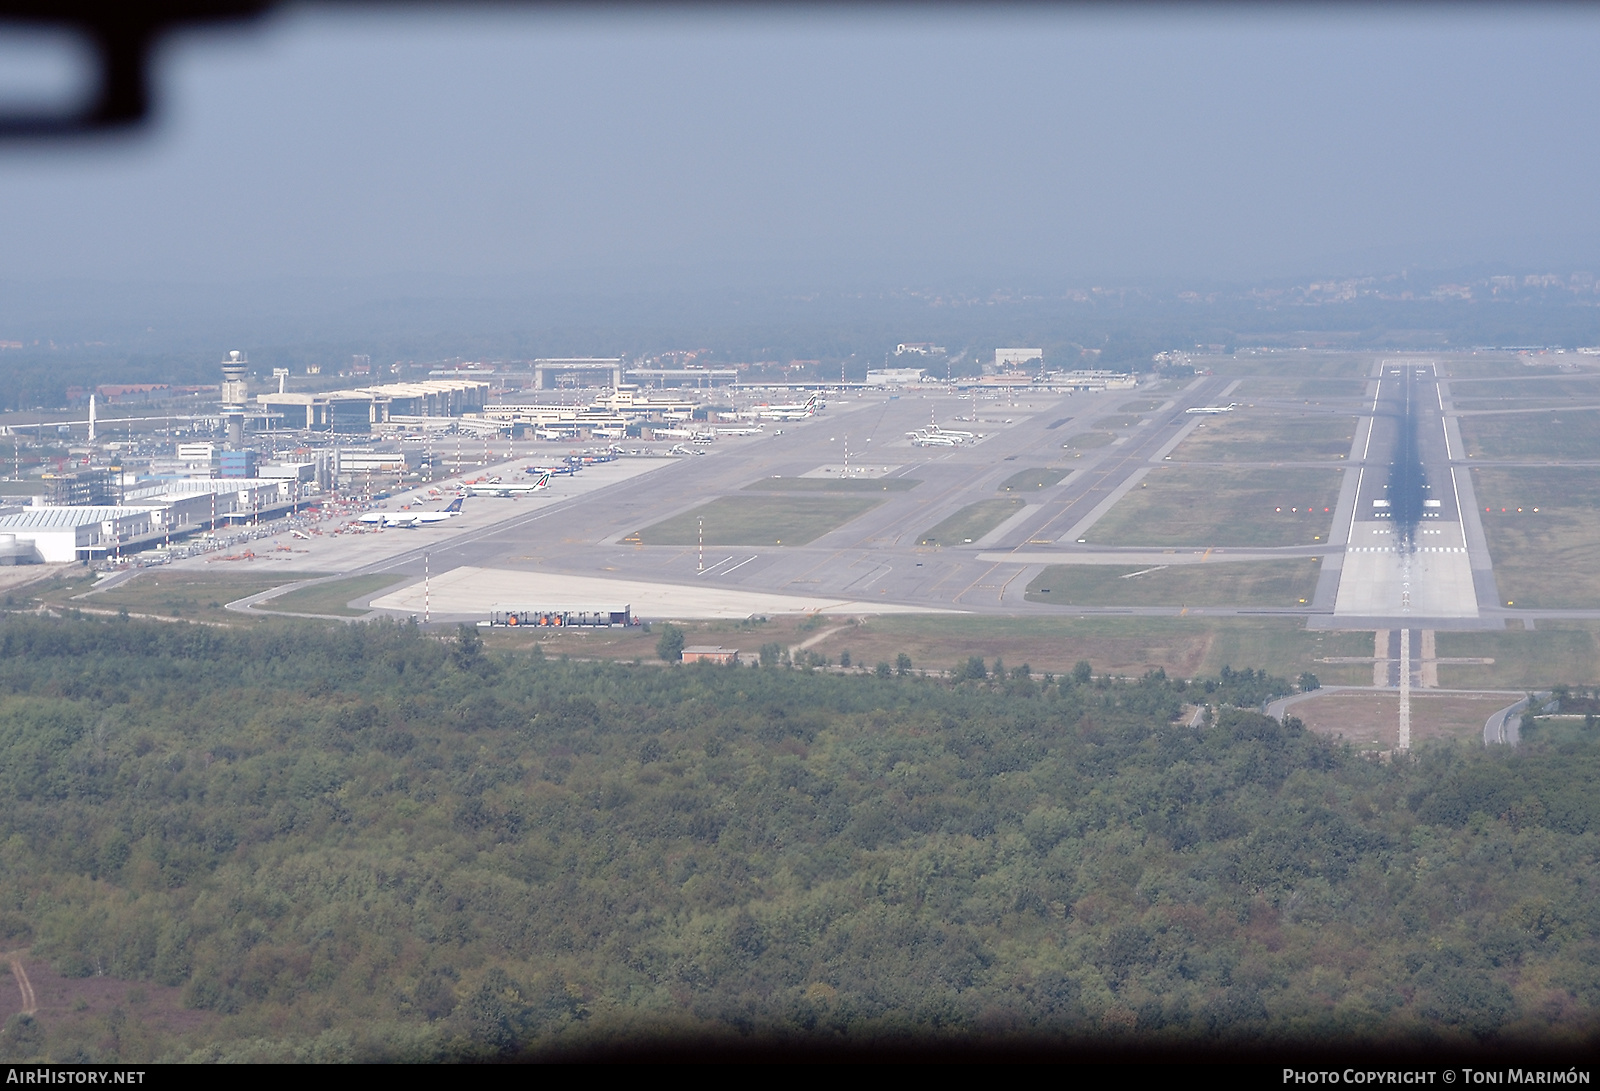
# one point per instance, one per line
(410, 520)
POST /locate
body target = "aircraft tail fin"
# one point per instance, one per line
(454, 505)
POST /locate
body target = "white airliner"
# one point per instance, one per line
(1229, 408)
(789, 412)
(411, 519)
(741, 431)
(508, 488)
(934, 436)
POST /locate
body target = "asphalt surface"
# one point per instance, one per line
(874, 557)
(1406, 551)
(581, 526)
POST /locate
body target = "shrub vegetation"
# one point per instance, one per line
(364, 842)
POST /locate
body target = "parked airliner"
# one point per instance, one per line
(412, 519)
(508, 488)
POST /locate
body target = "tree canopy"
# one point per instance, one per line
(367, 843)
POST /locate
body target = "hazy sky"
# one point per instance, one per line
(908, 145)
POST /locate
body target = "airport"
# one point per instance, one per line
(1333, 494)
(800, 535)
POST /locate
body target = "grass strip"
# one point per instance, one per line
(329, 599)
(1027, 480)
(1265, 583)
(972, 522)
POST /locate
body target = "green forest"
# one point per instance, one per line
(368, 842)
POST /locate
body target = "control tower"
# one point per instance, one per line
(235, 395)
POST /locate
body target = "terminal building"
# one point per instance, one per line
(348, 461)
(609, 415)
(199, 502)
(1053, 381)
(47, 535)
(700, 378)
(570, 371)
(50, 534)
(896, 376)
(1092, 380)
(204, 460)
(358, 410)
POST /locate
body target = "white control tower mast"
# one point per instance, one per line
(235, 397)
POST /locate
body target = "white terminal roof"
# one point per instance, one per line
(384, 390)
(190, 486)
(426, 386)
(64, 518)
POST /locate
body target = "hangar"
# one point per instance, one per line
(62, 535)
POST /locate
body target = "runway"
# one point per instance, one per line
(1406, 554)
(1429, 573)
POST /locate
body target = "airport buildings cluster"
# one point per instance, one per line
(136, 481)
